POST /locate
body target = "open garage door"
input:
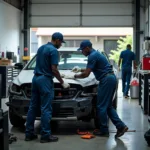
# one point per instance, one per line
(81, 13)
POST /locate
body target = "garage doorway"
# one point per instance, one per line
(103, 39)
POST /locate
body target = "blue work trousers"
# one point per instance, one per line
(106, 90)
(126, 78)
(43, 94)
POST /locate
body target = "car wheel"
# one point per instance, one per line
(15, 120)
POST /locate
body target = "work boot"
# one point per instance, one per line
(50, 139)
(121, 131)
(97, 132)
(31, 137)
(126, 96)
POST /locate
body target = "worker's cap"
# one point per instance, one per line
(84, 44)
(59, 36)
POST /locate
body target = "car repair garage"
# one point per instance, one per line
(76, 82)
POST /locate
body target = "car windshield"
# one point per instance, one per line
(67, 60)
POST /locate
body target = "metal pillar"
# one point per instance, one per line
(137, 29)
(26, 27)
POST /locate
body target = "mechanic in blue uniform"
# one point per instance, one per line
(43, 90)
(126, 57)
(99, 65)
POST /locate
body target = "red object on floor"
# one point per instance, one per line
(81, 132)
(85, 135)
(88, 136)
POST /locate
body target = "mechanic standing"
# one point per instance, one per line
(126, 57)
(99, 65)
(43, 90)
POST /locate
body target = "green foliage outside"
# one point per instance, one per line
(122, 43)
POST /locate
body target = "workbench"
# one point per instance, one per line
(8, 73)
(4, 136)
(144, 90)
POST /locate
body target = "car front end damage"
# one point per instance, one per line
(75, 103)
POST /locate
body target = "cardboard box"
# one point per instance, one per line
(5, 62)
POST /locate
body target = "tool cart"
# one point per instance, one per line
(144, 91)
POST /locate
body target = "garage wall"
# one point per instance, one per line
(144, 23)
(15, 3)
(9, 28)
(74, 13)
(98, 42)
(143, 26)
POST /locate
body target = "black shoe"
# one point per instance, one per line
(121, 131)
(99, 133)
(31, 137)
(50, 139)
(126, 96)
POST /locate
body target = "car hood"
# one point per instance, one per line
(26, 76)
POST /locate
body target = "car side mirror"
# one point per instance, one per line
(19, 66)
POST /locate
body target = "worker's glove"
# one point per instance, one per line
(62, 75)
(65, 85)
(69, 76)
(76, 69)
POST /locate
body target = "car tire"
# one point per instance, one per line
(15, 120)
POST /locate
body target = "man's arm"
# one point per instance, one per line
(134, 64)
(57, 74)
(82, 70)
(119, 62)
(54, 63)
(90, 65)
(85, 73)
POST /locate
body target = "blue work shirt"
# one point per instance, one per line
(99, 65)
(127, 57)
(47, 55)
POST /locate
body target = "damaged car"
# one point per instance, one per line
(76, 103)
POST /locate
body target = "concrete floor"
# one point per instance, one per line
(128, 110)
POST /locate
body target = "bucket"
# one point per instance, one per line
(134, 92)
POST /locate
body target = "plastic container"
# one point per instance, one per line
(134, 92)
(134, 88)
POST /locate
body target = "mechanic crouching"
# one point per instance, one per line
(99, 65)
(43, 90)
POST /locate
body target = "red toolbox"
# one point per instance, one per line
(146, 63)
